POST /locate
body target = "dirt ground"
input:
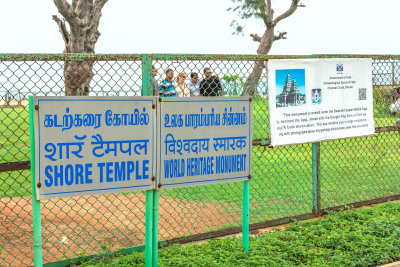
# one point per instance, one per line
(81, 224)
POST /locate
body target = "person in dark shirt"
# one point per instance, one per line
(210, 85)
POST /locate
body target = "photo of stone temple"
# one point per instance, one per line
(290, 95)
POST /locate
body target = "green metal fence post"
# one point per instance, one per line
(245, 214)
(147, 89)
(148, 248)
(156, 196)
(316, 190)
(37, 220)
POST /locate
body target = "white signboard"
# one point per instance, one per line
(204, 140)
(93, 145)
(312, 100)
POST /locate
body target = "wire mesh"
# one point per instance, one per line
(359, 169)
(281, 186)
(71, 227)
(194, 210)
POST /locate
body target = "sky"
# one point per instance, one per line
(179, 26)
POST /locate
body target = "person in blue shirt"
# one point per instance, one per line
(167, 88)
(194, 84)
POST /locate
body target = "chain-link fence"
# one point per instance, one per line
(283, 185)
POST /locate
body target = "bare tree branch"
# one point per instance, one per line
(74, 4)
(290, 11)
(66, 11)
(63, 29)
(255, 37)
(268, 13)
(93, 33)
(83, 12)
(77, 6)
(98, 6)
(280, 36)
(269, 10)
(100, 3)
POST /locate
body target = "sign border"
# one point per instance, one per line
(38, 99)
(304, 60)
(204, 99)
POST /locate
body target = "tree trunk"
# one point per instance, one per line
(77, 76)
(250, 87)
(83, 17)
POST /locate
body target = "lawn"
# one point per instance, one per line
(14, 134)
(366, 237)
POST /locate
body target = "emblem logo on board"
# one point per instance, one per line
(339, 68)
(316, 96)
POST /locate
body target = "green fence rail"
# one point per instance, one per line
(292, 182)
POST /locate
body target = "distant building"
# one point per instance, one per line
(290, 95)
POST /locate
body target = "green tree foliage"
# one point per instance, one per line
(260, 9)
(246, 9)
(234, 83)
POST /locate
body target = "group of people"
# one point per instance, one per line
(210, 85)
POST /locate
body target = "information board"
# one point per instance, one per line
(312, 100)
(204, 140)
(92, 145)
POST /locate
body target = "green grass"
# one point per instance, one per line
(14, 134)
(365, 237)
